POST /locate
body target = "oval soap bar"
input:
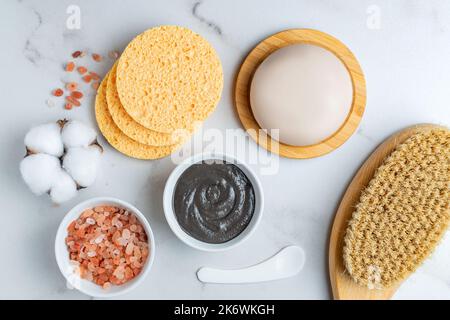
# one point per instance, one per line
(303, 90)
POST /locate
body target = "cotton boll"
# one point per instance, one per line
(45, 138)
(77, 134)
(64, 188)
(82, 163)
(40, 171)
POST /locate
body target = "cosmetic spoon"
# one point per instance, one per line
(286, 263)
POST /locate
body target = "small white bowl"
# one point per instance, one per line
(68, 270)
(172, 219)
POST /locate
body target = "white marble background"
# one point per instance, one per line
(406, 59)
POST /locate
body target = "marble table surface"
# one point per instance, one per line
(403, 47)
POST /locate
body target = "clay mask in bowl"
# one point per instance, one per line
(213, 202)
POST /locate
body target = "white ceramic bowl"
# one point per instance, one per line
(171, 217)
(62, 254)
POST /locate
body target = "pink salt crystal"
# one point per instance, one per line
(99, 239)
(118, 224)
(129, 249)
(113, 55)
(91, 254)
(137, 252)
(74, 263)
(133, 228)
(91, 266)
(119, 273)
(99, 209)
(90, 221)
(88, 276)
(87, 213)
(122, 241)
(126, 234)
(100, 219)
(106, 285)
(115, 236)
(50, 103)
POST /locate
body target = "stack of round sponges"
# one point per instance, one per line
(166, 82)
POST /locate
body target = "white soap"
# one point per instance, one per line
(303, 90)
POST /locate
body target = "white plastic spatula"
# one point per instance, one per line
(286, 263)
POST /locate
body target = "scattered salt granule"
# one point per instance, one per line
(77, 54)
(103, 255)
(82, 70)
(97, 57)
(71, 86)
(73, 101)
(50, 103)
(58, 92)
(76, 94)
(94, 75)
(70, 66)
(113, 55)
(87, 78)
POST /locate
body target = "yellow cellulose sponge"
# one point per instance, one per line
(117, 138)
(130, 127)
(168, 78)
(403, 212)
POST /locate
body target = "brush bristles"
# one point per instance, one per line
(403, 212)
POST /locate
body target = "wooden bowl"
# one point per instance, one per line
(261, 52)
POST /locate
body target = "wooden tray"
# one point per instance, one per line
(342, 285)
(280, 40)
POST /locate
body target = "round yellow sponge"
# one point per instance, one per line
(169, 77)
(130, 127)
(117, 138)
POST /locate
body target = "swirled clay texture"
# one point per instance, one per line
(214, 202)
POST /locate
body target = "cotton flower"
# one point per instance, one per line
(45, 138)
(77, 134)
(39, 171)
(61, 158)
(82, 163)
